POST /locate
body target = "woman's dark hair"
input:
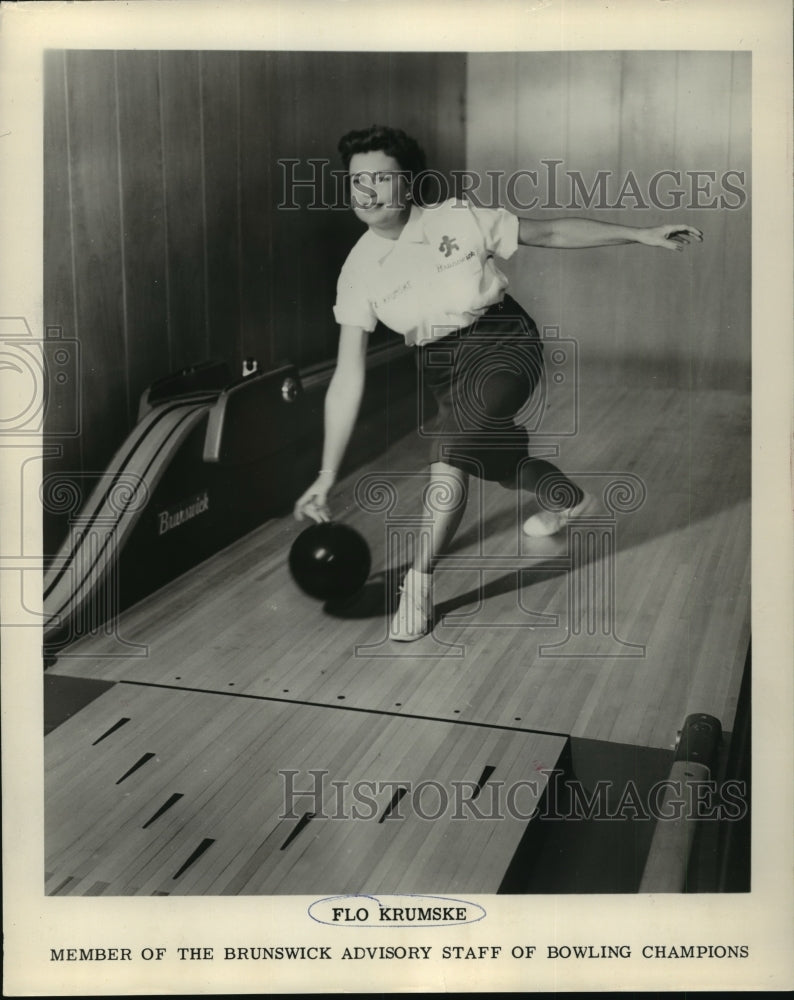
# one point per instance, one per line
(393, 141)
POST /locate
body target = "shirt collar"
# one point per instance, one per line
(413, 232)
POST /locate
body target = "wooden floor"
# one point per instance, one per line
(163, 793)
(613, 631)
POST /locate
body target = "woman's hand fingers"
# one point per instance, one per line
(683, 231)
(313, 504)
(685, 235)
(673, 237)
(313, 510)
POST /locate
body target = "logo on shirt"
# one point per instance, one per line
(454, 263)
(447, 245)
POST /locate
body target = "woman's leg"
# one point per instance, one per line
(445, 498)
(561, 497)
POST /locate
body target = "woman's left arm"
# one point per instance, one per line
(576, 234)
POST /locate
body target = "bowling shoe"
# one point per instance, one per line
(549, 522)
(414, 616)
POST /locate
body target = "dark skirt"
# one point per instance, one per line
(482, 378)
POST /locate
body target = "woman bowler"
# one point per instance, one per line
(428, 273)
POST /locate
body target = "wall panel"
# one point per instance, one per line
(259, 99)
(735, 323)
(648, 135)
(221, 144)
(142, 205)
(186, 209)
(98, 251)
(702, 133)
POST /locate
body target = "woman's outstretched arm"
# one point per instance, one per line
(576, 234)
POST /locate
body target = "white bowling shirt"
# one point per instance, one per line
(439, 274)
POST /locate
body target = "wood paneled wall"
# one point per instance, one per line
(164, 241)
(668, 318)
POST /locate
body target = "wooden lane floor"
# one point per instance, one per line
(613, 631)
(160, 792)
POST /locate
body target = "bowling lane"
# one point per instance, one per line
(615, 633)
(188, 793)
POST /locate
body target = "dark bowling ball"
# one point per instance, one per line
(329, 561)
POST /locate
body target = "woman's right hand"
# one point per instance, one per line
(314, 502)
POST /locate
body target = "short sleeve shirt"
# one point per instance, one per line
(438, 275)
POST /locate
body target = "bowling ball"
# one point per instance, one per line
(329, 561)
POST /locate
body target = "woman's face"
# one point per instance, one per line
(378, 191)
